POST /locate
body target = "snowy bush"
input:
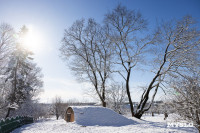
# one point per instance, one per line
(186, 99)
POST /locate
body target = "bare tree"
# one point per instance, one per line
(6, 43)
(177, 50)
(124, 30)
(117, 97)
(57, 107)
(90, 53)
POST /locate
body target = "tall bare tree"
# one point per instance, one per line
(90, 53)
(177, 50)
(124, 31)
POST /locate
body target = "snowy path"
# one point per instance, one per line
(60, 126)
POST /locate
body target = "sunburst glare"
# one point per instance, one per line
(32, 40)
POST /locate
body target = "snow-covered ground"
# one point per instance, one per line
(150, 124)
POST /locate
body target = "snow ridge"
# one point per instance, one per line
(91, 116)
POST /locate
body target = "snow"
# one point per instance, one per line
(91, 116)
(61, 126)
(95, 124)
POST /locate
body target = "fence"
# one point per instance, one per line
(8, 125)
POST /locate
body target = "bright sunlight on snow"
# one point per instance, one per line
(142, 126)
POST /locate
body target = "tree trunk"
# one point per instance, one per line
(57, 116)
(104, 104)
(138, 115)
(128, 93)
(8, 113)
(144, 100)
(152, 113)
(103, 95)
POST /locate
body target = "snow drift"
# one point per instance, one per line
(91, 115)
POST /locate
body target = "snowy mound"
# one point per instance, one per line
(90, 116)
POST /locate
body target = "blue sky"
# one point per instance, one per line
(49, 18)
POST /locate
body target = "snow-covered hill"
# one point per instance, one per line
(100, 116)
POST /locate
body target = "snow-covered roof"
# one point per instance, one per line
(92, 115)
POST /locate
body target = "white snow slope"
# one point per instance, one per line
(91, 116)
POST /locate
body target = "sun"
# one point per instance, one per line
(32, 40)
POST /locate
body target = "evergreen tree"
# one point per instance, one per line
(24, 75)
